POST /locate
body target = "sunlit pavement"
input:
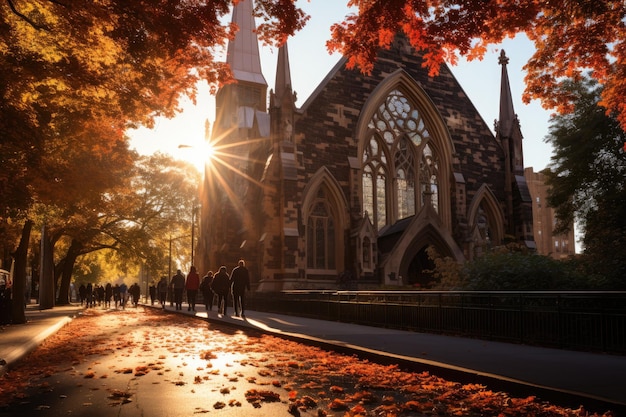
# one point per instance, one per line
(526, 370)
(562, 375)
(139, 368)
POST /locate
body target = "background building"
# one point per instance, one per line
(355, 185)
(544, 219)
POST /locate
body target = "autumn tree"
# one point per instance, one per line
(75, 178)
(165, 194)
(570, 37)
(131, 221)
(587, 178)
(67, 66)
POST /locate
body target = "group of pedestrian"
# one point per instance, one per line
(221, 284)
(236, 284)
(92, 295)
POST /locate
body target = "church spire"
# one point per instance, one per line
(283, 75)
(243, 52)
(506, 120)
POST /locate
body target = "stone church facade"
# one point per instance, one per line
(356, 184)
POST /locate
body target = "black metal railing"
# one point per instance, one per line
(589, 321)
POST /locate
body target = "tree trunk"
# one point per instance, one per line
(18, 311)
(66, 273)
(47, 287)
(58, 272)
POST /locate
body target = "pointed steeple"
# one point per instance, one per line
(243, 52)
(283, 75)
(506, 120)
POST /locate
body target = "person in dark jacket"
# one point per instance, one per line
(239, 283)
(221, 287)
(153, 293)
(178, 286)
(135, 292)
(162, 289)
(82, 293)
(108, 293)
(207, 291)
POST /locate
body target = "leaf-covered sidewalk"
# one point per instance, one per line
(142, 361)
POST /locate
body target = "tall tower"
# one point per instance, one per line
(508, 132)
(241, 134)
(280, 232)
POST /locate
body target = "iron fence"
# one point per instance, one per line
(590, 321)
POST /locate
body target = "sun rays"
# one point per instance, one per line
(226, 165)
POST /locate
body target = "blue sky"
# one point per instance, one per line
(310, 62)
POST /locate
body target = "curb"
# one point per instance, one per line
(19, 352)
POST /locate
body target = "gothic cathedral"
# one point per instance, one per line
(356, 184)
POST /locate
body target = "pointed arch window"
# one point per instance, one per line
(375, 183)
(484, 238)
(405, 179)
(397, 129)
(321, 235)
(367, 253)
(429, 175)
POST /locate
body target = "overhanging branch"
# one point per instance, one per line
(24, 17)
(28, 20)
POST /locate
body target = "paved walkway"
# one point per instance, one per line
(565, 377)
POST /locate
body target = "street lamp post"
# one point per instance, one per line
(194, 214)
(194, 209)
(169, 268)
(169, 264)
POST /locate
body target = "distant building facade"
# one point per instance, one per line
(357, 183)
(544, 219)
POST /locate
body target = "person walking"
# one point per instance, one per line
(162, 289)
(116, 295)
(207, 291)
(135, 293)
(239, 283)
(123, 295)
(178, 286)
(89, 295)
(82, 293)
(192, 285)
(99, 291)
(108, 293)
(152, 290)
(221, 287)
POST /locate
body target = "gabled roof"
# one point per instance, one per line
(331, 74)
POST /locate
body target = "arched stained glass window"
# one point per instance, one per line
(405, 179)
(381, 199)
(321, 238)
(368, 191)
(374, 183)
(484, 239)
(367, 253)
(390, 184)
(429, 174)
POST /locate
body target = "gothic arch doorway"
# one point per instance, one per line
(419, 273)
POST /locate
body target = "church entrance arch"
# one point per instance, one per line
(415, 265)
(419, 274)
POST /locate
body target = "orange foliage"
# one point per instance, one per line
(570, 38)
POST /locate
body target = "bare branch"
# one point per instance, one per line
(24, 17)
